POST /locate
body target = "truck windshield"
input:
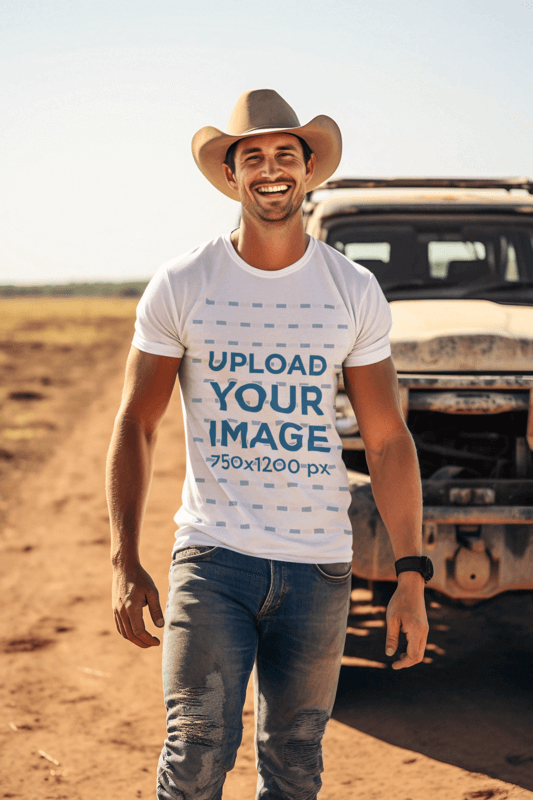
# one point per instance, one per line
(444, 259)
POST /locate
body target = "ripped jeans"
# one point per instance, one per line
(225, 612)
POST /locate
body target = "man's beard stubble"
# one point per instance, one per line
(291, 211)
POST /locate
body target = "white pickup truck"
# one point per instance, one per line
(455, 260)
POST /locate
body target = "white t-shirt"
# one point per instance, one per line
(261, 354)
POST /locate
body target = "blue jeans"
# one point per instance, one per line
(225, 612)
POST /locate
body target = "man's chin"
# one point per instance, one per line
(277, 215)
(273, 216)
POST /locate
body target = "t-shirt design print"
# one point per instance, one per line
(261, 355)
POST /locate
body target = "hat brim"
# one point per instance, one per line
(322, 134)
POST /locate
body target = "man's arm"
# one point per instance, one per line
(395, 478)
(148, 386)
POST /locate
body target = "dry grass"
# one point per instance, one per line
(55, 356)
(62, 321)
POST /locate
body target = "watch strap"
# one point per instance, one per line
(420, 564)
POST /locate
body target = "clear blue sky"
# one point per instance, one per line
(100, 100)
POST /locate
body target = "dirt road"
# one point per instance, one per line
(82, 714)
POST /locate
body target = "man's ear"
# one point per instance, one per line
(310, 168)
(229, 177)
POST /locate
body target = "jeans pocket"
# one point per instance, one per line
(335, 573)
(193, 552)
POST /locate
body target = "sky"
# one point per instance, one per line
(101, 98)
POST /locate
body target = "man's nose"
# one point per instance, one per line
(270, 167)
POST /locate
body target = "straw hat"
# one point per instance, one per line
(265, 111)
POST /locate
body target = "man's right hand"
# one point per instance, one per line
(133, 588)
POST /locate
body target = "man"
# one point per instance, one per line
(259, 324)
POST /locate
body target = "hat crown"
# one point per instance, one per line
(259, 109)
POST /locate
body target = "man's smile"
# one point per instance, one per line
(276, 189)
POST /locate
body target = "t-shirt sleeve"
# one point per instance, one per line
(373, 323)
(157, 323)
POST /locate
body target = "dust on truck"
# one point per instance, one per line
(454, 258)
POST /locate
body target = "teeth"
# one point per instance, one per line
(279, 188)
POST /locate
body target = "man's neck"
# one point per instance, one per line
(269, 246)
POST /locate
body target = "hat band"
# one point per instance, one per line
(265, 128)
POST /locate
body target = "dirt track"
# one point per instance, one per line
(458, 728)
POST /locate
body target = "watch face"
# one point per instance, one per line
(428, 568)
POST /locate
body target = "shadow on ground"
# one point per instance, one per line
(470, 704)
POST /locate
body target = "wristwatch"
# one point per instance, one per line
(421, 564)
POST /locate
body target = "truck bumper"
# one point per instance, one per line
(498, 558)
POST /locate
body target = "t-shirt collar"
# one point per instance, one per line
(267, 273)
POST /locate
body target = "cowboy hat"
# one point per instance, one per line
(265, 111)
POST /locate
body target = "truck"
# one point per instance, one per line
(454, 257)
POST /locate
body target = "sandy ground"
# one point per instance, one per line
(81, 710)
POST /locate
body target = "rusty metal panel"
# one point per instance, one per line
(479, 515)
(465, 381)
(432, 380)
(472, 568)
(484, 496)
(488, 568)
(498, 558)
(373, 557)
(460, 495)
(469, 402)
(462, 352)
(484, 491)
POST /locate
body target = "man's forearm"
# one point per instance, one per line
(397, 490)
(128, 475)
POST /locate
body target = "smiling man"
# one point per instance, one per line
(260, 323)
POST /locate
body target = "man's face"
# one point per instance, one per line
(270, 176)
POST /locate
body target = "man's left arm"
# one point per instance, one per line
(395, 479)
